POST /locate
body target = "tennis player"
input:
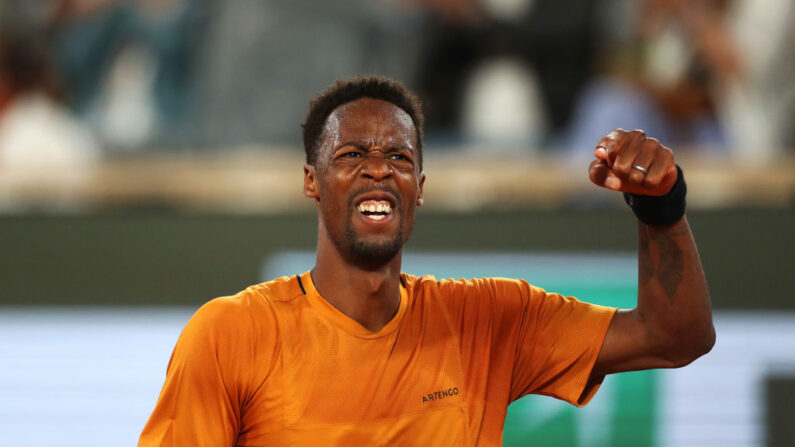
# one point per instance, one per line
(356, 353)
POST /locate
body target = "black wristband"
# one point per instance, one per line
(660, 210)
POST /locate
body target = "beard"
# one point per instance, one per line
(371, 253)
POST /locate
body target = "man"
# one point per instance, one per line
(355, 352)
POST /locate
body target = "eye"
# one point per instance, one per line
(351, 154)
(400, 157)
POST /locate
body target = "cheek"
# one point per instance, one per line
(333, 200)
(411, 189)
(329, 186)
(409, 203)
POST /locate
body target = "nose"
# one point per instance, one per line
(376, 167)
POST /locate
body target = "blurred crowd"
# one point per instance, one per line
(83, 80)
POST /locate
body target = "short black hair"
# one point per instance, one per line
(350, 89)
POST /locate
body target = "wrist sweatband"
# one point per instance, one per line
(660, 210)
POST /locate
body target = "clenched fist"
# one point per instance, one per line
(629, 161)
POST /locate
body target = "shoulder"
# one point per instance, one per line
(248, 310)
(473, 286)
(474, 296)
(286, 288)
(256, 298)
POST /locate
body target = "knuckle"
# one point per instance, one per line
(652, 182)
(615, 135)
(651, 145)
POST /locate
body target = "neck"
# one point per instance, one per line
(370, 295)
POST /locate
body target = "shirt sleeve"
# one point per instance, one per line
(206, 381)
(559, 339)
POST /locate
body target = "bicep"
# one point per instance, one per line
(628, 347)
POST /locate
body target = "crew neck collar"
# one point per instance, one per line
(347, 323)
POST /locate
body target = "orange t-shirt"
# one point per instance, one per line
(278, 365)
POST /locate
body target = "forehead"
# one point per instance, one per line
(370, 119)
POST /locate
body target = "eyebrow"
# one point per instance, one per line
(401, 149)
(356, 144)
(364, 146)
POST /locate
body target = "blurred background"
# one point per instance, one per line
(150, 160)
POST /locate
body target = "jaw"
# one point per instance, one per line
(372, 241)
(361, 232)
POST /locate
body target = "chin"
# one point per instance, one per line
(373, 249)
(372, 252)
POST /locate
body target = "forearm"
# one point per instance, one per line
(673, 300)
(672, 323)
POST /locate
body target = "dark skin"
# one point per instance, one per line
(370, 144)
(366, 144)
(672, 324)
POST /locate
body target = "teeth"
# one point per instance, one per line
(377, 216)
(372, 206)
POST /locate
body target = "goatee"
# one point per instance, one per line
(373, 253)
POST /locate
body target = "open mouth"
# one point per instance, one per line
(375, 209)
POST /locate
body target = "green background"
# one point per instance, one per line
(160, 258)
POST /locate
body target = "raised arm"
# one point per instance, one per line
(672, 323)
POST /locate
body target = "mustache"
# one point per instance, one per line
(383, 188)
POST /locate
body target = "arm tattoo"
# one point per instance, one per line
(670, 263)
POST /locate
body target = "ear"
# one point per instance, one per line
(310, 182)
(419, 191)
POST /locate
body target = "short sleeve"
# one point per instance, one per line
(559, 341)
(207, 380)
